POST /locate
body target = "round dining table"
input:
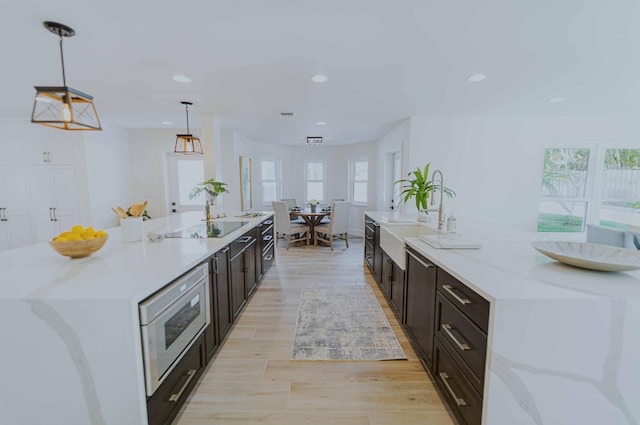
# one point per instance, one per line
(311, 218)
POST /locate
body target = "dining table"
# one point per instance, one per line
(312, 218)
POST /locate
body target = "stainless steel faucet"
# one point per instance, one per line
(441, 207)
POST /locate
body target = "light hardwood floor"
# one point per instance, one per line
(251, 380)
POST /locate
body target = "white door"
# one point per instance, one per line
(184, 174)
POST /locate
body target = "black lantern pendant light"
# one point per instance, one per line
(61, 106)
(186, 144)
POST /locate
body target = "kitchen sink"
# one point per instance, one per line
(392, 239)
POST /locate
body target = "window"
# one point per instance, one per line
(359, 180)
(620, 196)
(271, 187)
(589, 185)
(563, 207)
(314, 179)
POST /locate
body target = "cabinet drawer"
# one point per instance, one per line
(267, 257)
(467, 300)
(465, 339)
(240, 244)
(165, 403)
(461, 397)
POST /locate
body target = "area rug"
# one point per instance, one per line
(343, 323)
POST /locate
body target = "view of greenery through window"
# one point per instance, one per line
(567, 203)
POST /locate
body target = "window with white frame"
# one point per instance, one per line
(599, 185)
(271, 182)
(314, 180)
(359, 180)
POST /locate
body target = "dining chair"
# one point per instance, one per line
(285, 229)
(291, 204)
(338, 226)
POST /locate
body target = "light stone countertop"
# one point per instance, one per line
(563, 342)
(120, 270)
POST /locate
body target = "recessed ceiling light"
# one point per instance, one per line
(319, 78)
(476, 77)
(166, 123)
(287, 114)
(557, 100)
(321, 123)
(181, 78)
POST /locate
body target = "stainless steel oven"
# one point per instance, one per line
(171, 320)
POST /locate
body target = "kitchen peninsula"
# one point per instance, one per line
(548, 343)
(72, 348)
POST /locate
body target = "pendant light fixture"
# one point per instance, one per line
(61, 106)
(186, 144)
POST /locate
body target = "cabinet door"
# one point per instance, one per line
(15, 229)
(34, 145)
(53, 200)
(251, 271)
(397, 288)
(421, 296)
(222, 304)
(377, 254)
(386, 274)
(237, 283)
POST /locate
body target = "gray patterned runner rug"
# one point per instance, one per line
(343, 323)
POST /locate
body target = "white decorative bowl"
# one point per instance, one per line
(590, 256)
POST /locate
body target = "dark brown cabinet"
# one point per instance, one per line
(264, 251)
(420, 304)
(242, 271)
(372, 250)
(392, 283)
(220, 300)
(165, 403)
(462, 320)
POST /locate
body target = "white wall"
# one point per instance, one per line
(495, 163)
(292, 159)
(395, 140)
(148, 150)
(108, 169)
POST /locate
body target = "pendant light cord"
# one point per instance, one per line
(64, 77)
(186, 109)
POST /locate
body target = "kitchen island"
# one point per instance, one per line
(72, 351)
(562, 343)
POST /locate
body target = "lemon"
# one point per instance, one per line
(74, 237)
(60, 239)
(64, 234)
(78, 229)
(101, 234)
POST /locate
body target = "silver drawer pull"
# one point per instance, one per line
(459, 401)
(267, 238)
(268, 257)
(449, 289)
(244, 239)
(425, 265)
(174, 397)
(449, 331)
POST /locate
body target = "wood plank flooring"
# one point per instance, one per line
(251, 380)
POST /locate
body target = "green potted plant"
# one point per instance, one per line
(419, 187)
(212, 189)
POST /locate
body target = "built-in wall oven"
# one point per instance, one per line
(171, 320)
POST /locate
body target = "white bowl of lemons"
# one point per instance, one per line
(80, 242)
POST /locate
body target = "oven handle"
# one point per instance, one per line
(175, 397)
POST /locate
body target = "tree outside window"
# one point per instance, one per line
(564, 180)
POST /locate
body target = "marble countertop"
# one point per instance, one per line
(508, 267)
(120, 270)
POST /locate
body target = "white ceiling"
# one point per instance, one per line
(386, 60)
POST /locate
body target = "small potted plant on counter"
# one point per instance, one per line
(212, 189)
(419, 187)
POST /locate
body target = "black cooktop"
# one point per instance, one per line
(210, 229)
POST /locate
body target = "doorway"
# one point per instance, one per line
(184, 173)
(394, 173)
